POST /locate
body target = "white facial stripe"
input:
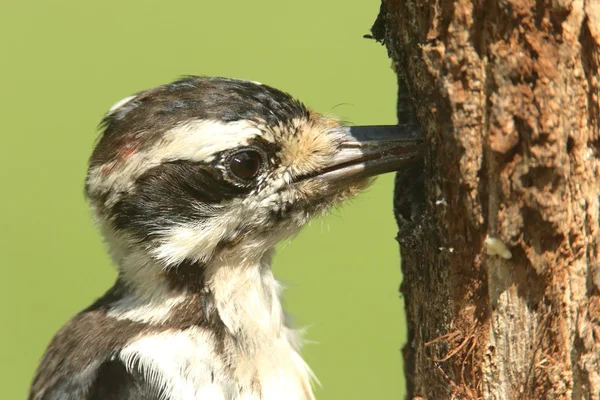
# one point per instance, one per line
(198, 242)
(194, 242)
(199, 140)
(194, 141)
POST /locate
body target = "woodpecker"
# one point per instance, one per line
(192, 184)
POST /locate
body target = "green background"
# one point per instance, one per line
(64, 63)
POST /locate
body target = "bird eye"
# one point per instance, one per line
(245, 164)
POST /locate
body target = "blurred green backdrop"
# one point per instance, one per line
(64, 63)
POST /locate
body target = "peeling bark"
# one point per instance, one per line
(501, 244)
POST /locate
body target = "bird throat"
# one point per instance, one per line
(230, 295)
(229, 308)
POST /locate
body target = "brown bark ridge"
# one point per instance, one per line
(501, 251)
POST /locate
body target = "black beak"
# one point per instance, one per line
(374, 150)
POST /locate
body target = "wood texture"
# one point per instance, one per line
(501, 246)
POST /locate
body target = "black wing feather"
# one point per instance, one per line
(114, 382)
(81, 361)
(111, 381)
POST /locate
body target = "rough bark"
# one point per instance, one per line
(501, 244)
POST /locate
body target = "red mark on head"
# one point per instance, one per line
(123, 153)
(127, 151)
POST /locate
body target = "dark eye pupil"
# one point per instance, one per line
(245, 165)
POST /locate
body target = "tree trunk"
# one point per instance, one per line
(501, 245)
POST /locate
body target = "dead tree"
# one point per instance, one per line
(500, 246)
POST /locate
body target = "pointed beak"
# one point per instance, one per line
(367, 151)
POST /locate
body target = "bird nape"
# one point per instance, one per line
(192, 184)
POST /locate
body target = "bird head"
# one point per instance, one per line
(206, 168)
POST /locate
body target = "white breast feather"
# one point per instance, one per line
(186, 365)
